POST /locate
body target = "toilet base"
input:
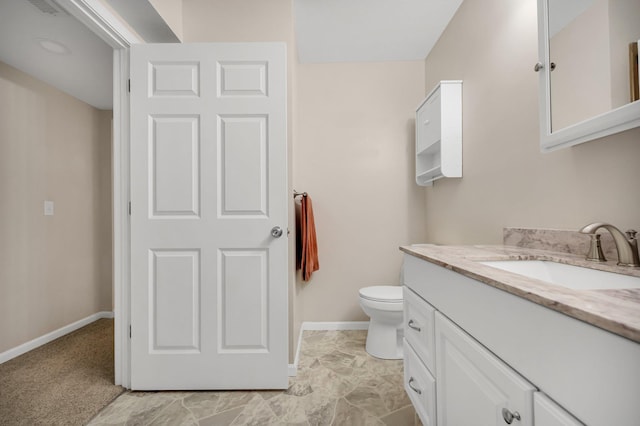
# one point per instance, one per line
(384, 340)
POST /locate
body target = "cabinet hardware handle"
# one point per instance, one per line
(427, 122)
(508, 416)
(416, 390)
(411, 324)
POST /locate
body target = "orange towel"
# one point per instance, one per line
(308, 260)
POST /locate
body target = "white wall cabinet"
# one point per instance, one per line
(439, 134)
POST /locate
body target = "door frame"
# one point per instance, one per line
(115, 32)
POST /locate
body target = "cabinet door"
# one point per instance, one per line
(548, 413)
(474, 386)
(428, 123)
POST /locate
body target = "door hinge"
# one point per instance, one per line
(129, 331)
(129, 85)
(129, 208)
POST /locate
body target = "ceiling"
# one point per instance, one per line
(369, 30)
(85, 72)
(326, 31)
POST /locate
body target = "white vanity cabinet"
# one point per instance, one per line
(494, 351)
(439, 133)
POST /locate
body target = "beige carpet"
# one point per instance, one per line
(65, 382)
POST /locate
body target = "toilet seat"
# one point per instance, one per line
(382, 293)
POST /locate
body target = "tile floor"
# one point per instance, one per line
(338, 383)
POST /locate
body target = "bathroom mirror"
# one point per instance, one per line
(588, 69)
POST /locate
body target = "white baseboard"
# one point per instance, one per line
(340, 325)
(39, 341)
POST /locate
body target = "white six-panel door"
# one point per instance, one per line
(208, 185)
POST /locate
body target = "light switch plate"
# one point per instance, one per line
(48, 208)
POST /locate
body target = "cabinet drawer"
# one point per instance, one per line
(419, 327)
(420, 386)
(548, 413)
(428, 124)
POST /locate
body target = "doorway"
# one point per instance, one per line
(55, 155)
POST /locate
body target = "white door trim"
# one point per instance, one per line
(121, 218)
(117, 34)
(105, 23)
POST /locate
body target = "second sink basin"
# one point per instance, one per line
(570, 276)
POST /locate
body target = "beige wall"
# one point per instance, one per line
(492, 46)
(54, 270)
(354, 154)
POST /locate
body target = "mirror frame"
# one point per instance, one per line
(617, 120)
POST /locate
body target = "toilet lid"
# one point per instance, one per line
(382, 293)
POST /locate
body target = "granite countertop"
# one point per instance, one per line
(614, 310)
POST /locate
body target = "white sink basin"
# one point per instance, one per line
(570, 276)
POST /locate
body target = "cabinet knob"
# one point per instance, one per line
(508, 416)
(538, 66)
(413, 388)
(413, 325)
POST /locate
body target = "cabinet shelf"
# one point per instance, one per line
(429, 149)
(430, 175)
(439, 134)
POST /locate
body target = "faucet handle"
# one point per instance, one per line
(595, 249)
(631, 234)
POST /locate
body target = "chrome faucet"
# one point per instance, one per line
(626, 245)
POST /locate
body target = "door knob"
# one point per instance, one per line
(276, 232)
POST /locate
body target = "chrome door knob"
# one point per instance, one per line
(276, 232)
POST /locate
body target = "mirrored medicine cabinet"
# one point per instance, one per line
(588, 70)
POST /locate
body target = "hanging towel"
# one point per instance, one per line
(308, 253)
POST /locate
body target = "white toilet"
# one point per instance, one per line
(383, 304)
